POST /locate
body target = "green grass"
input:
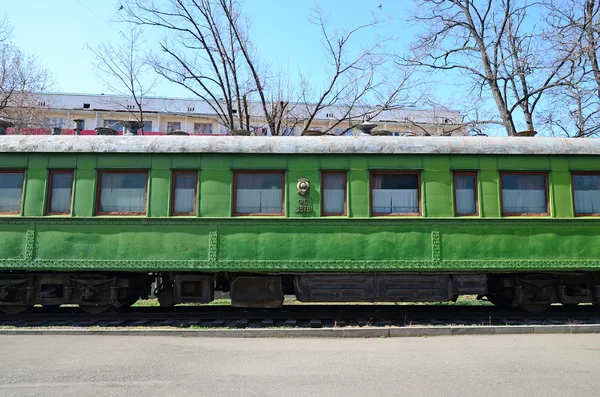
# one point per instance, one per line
(465, 300)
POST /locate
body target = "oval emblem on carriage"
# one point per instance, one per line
(303, 186)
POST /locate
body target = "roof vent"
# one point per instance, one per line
(86, 105)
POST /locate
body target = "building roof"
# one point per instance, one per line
(299, 145)
(200, 108)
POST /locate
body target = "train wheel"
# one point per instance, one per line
(95, 309)
(14, 309)
(534, 307)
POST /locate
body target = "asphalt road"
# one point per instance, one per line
(528, 365)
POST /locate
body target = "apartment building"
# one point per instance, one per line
(58, 111)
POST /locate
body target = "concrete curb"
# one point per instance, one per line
(372, 332)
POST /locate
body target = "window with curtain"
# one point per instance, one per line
(524, 194)
(395, 194)
(465, 193)
(202, 128)
(259, 193)
(122, 193)
(11, 191)
(147, 126)
(184, 192)
(334, 193)
(173, 126)
(586, 193)
(59, 195)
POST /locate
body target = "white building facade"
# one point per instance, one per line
(164, 115)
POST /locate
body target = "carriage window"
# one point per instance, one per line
(59, 192)
(465, 193)
(122, 193)
(258, 193)
(184, 193)
(524, 194)
(395, 193)
(334, 193)
(11, 191)
(586, 194)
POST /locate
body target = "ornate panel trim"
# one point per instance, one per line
(213, 246)
(295, 266)
(436, 245)
(30, 242)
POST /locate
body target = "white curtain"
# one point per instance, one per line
(465, 202)
(524, 201)
(60, 196)
(185, 193)
(395, 201)
(123, 192)
(333, 201)
(11, 189)
(587, 194)
(333, 193)
(524, 194)
(587, 202)
(259, 194)
(258, 201)
(465, 196)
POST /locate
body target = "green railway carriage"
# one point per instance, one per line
(98, 221)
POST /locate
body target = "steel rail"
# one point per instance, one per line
(315, 316)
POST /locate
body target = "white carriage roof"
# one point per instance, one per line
(298, 145)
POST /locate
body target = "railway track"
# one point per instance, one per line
(301, 316)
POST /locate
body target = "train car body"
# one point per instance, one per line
(99, 219)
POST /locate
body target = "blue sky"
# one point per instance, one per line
(59, 31)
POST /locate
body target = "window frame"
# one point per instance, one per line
(173, 186)
(283, 189)
(15, 171)
(121, 126)
(545, 173)
(49, 191)
(397, 214)
(98, 187)
(206, 126)
(345, 174)
(465, 173)
(171, 129)
(582, 173)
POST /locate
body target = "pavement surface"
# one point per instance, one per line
(496, 365)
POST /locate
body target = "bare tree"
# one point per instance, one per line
(496, 45)
(7, 53)
(576, 25)
(360, 84)
(207, 49)
(204, 49)
(26, 78)
(124, 70)
(22, 77)
(5, 29)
